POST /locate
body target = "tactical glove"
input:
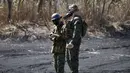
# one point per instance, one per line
(70, 45)
(53, 36)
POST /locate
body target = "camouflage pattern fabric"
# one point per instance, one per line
(73, 53)
(59, 62)
(59, 43)
(58, 48)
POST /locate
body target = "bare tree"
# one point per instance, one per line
(20, 2)
(9, 9)
(40, 4)
(113, 2)
(50, 7)
(67, 4)
(103, 8)
(55, 5)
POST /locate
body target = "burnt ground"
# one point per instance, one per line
(97, 55)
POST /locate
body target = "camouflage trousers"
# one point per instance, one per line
(73, 58)
(59, 62)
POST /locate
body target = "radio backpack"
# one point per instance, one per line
(84, 25)
(84, 28)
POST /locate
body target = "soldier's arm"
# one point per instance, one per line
(53, 35)
(77, 31)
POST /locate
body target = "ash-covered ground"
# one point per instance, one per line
(97, 55)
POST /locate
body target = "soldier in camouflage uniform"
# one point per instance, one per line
(59, 43)
(74, 34)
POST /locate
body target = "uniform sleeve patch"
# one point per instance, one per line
(76, 18)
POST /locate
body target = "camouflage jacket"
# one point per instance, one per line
(59, 42)
(74, 30)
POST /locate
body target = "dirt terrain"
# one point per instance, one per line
(97, 55)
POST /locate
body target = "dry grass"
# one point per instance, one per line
(98, 13)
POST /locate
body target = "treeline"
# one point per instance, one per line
(96, 12)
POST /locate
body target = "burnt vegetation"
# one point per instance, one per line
(104, 16)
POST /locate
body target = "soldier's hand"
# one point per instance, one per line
(69, 46)
(54, 35)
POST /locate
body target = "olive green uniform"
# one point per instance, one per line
(74, 28)
(58, 49)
